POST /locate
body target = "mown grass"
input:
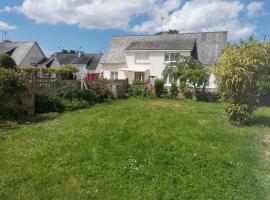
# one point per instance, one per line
(137, 149)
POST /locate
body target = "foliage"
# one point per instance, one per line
(6, 61)
(15, 87)
(138, 82)
(140, 91)
(162, 148)
(174, 91)
(47, 104)
(159, 87)
(190, 72)
(242, 73)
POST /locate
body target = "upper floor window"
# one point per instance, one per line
(141, 57)
(33, 62)
(114, 75)
(171, 57)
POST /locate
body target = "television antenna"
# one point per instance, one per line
(4, 35)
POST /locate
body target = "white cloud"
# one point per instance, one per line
(204, 15)
(193, 15)
(4, 26)
(254, 8)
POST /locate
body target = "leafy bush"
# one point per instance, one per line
(174, 90)
(242, 73)
(140, 91)
(208, 96)
(190, 72)
(46, 104)
(138, 82)
(159, 87)
(6, 61)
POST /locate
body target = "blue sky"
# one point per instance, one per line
(69, 24)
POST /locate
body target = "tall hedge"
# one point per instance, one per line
(242, 73)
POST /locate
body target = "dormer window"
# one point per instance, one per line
(172, 57)
(33, 62)
(142, 57)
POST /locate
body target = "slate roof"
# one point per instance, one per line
(91, 60)
(17, 50)
(162, 45)
(209, 45)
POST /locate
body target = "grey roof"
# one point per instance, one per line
(209, 45)
(162, 45)
(91, 60)
(19, 49)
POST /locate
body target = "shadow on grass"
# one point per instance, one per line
(261, 120)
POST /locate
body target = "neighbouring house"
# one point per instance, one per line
(25, 54)
(145, 57)
(86, 64)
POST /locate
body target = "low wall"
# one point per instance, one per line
(55, 87)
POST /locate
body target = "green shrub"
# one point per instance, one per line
(174, 91)
(71, 105)
(207, 96)
(138, 82)
(46, 104)
(6, 61)
(140, 91)
(242, 73)
(159, 87)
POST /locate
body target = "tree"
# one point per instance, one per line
(190, 72)
(6, 61)
(242, 73)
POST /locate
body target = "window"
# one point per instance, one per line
(114, 75)
(33, 62)
(168, 80)
(170, 57)
(139, 76)
(141, 57)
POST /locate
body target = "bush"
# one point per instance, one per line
(207, 96)
(46, 104)
(174, 90)
(242, 73)
(140, 91)
(6, 61)
(159, 87)
(138, 82)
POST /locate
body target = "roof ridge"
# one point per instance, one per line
(171, 34)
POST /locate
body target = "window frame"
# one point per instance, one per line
(141, 76)
(114, 75)
(170, 55)
(138, 58)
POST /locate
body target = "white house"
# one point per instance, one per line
(145, 57)
(85, 63)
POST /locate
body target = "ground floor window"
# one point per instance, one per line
(168, 80)
(139, 76)
(114, 75)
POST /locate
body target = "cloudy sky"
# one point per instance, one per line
(89, 24)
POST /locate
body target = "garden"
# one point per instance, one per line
(66, 140)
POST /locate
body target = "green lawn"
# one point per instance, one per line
(138, 149)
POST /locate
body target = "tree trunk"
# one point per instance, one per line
(27, 97)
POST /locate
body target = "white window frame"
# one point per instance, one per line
(170, 56)
(141, 57)
(114, 75)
